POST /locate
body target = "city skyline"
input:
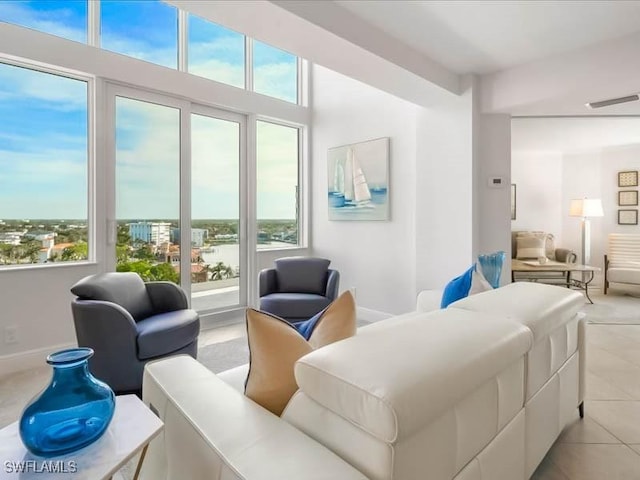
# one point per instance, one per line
(43, 123)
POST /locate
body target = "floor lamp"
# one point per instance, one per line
(586, 208)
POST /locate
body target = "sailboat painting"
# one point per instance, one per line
(358, 181)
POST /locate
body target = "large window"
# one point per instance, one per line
(43, 167)
(277, 150)
(147, 30)
(147, 189)
(64, 18)
(215, 52)
(275, 72)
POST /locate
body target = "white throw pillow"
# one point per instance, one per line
(530, 246)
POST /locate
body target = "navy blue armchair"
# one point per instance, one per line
(298, 287)
(128, 323)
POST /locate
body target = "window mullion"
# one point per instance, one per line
(183, 40)
(248, 63)
(93, 23)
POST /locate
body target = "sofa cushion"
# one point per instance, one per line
(390, 385)
(302, 274)
(530, 246)
(275, 345)
(470, 282)
(294, 305)
(624, 275)
(542, 308)
(167, 332)
(123, 288)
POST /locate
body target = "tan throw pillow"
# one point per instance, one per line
(275, 345)
(530, 246)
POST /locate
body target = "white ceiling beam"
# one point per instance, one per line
(329, 35)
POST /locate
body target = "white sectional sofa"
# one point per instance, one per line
(478, 391)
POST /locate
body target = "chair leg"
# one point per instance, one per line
(581, 410)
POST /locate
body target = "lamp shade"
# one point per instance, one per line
(586, 207)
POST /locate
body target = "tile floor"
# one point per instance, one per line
(605, 445)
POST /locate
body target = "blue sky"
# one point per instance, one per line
(43, 120)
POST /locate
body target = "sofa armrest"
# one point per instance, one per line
(333, 284)
(429, 300)
(566, 255)
(267, 282)
(214, 432)
(166, 297)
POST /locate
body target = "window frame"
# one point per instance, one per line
(302, 193)
(93, 256)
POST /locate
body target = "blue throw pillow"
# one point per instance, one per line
(307, 327)
(470, 282)
(457, 288)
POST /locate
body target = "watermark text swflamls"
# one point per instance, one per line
(44, 466)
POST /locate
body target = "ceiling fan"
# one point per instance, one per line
(612, 101)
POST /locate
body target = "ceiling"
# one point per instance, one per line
(573, 134)
(471, 36)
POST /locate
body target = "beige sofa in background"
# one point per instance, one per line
(551, 252)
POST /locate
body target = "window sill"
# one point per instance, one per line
(275, 249)
(42, 266)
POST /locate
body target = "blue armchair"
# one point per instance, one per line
(298, 287)
(128, 323)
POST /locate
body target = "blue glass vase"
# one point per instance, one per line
(491, 265)
(73, 411)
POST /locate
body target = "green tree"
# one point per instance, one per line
(144, 253)
(123, 235)
(79, 251)
(122, 253)
(150, 272)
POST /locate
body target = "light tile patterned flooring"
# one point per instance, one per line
(605, 445)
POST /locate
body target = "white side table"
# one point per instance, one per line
(132, 428)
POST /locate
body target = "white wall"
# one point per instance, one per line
(37, 301)
(377, 258)
(538, 176)
(492, 158)
(444, 192)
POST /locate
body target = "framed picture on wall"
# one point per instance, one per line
(358, 186)
(627, 197)
(628, 179)
(627, 217)
(513, 201)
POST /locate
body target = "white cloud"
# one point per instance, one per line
(52, 21)
(61, 93)
(47, 183)
(147, 160)
(277, 80)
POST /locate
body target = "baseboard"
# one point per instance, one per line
(17, 362)
(371, 315)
